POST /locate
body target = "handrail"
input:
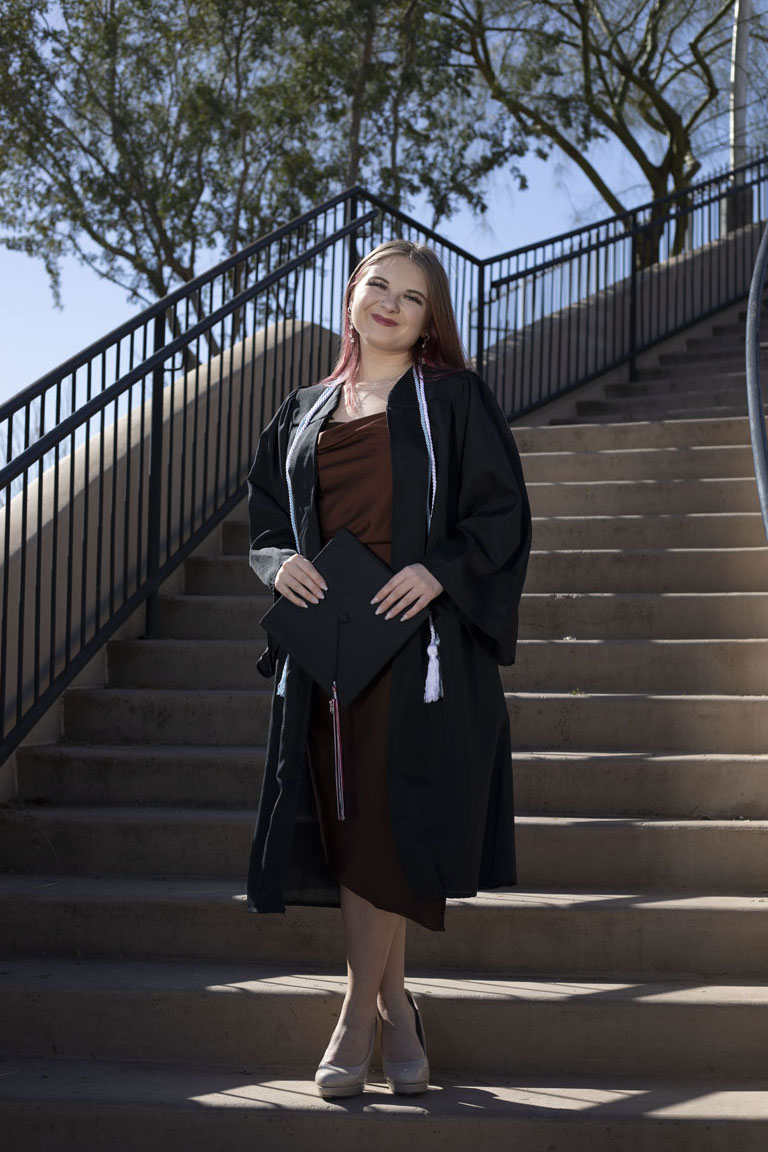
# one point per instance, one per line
(98, 403)
(141, 431)
(754, 391)
(729, 176)
(563, 312)
(161, 306)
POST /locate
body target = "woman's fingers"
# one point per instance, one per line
(413, 610)
(406, 593)
(299, 581)
(412, 588)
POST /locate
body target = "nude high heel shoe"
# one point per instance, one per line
(409, 1077)
(337, 1080)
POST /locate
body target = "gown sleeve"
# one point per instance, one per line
(482, 561)
(271, 535)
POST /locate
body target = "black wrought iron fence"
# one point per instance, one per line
(563, 312)
(116, 465)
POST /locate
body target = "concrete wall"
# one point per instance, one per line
(574, 343)
(211, 422)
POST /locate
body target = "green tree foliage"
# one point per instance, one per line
(150, 136)
(650, 74)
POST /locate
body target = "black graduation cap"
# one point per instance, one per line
(341, 638)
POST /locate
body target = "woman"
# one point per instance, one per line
(408, 449)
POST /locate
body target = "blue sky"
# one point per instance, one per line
(36, 336)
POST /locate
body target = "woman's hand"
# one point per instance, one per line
(413, 587)
(297, 577)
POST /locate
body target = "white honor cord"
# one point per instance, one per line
(426, 429)
(291, 451)
(433, 687)
(299, 431)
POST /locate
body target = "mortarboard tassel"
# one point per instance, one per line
(338, 765)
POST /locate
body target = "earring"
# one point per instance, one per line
(423, 347)
(350, 326)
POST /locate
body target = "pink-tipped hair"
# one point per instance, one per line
(444, 352)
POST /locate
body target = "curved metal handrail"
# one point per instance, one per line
(754, 391)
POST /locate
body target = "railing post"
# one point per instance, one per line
(755, 405)
(633, 302)
(480, 351)
(353, 254)
(155, 486)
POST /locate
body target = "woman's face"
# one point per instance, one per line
(390, 304)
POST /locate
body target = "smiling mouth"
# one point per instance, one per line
(383, 320)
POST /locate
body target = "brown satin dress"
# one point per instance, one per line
(354, 479)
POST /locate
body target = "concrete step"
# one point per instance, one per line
(608, 498)
(675, 389)
(184, 664)
(573, 721)
(644, 434)
(637, 784)
(553, 851)
(697, 530)
(681, 405)
(658, 464)
(140, 774)
(150, 716)
(546, 783)
(700, 666)
(229, 1013)
(719, 332)
(643, 615)
(724, 352)
(601, 722)
(580, 784)
(224, 1108)
(575, 570)
(219, 575)
(211, 617)
(649, 570)
(715, 374)
(543, 615)
(616, 412)
(643, 934)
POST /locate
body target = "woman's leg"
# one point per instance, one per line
(398, 1035)
(375, 945)
(368, 933)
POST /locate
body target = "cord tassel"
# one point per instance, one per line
(338, 765)
(433, 688)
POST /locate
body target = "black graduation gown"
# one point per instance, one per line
(449, 762)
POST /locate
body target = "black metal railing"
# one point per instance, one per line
(116, 465)
(563, 312)
(755, 404)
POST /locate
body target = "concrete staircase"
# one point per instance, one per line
(616, 1000)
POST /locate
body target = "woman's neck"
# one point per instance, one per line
(375, 366)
